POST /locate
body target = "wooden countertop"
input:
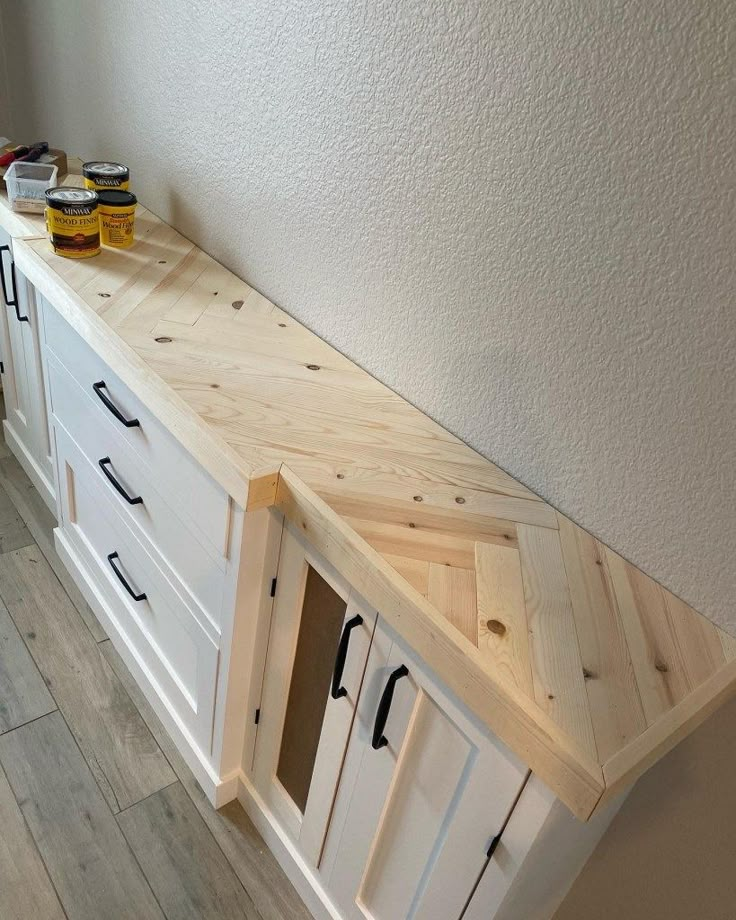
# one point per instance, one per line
(583, 665)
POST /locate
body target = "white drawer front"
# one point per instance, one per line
(192, 561)
(196, 496)
(160, 629)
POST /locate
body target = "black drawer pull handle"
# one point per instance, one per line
(109, 404)
(387, 697)
(104, 463)
(121, 578)
(342, 653)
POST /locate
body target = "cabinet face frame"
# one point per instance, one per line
(27, 422)
(307, 830)
(413, 820)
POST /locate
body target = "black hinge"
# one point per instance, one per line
(258, 716)
(492, 848)
(273, 587)
(2, 368)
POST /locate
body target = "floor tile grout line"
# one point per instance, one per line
(28, 827)
(189, 796)
(145, 798)
(58, 708)
(134, 854)
(63, 588)
(3, 480)
(61, 712)
(9, 731)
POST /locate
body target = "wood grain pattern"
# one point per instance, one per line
(613, 694)
(278, 417)
(119, 749)
(85, 853)
(452, 591)
(501, 618)
(559, 684)
(186, 869)
(13, 531)
(25, 887)
(23, 693)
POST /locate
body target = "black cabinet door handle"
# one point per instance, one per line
(121, 578)
(342, 653)
(14, 303)
(103, 464)
(4, 248)
(8, 301)
(379, 739)
(110, 405)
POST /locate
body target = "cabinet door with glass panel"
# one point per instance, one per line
(318, 646)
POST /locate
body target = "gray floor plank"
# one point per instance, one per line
(40, 523)
(26, 892)
(90, 864)
(184, 866)
(119, 748)
(273, 894)
(13, 531)
(23, 693)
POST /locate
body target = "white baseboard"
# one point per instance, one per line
(34, 472)
(219, 790)
(302, 876)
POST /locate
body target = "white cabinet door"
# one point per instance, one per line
(423, 793)
(318, 646)
(27, 426)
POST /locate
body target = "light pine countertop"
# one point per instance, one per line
(587, 668)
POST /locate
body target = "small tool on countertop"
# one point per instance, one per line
(24, 152)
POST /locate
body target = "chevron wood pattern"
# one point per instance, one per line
(577, 659)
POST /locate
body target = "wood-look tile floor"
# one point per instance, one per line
(100, 819)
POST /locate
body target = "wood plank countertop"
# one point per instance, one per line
(587, 668)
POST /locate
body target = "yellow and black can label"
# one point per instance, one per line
(73, 222)
(117, 218)
(99, 175)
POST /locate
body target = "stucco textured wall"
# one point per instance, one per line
(519, 214)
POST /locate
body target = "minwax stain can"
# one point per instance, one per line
(117, 216)
(100, 175)
(73, 222)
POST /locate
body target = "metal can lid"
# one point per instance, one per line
(116, 198)
(102, 168)
(64, 196)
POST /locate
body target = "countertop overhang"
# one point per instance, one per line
(586, 667)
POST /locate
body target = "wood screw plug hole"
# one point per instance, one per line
(163, 339)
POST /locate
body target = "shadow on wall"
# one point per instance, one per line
(670, 852)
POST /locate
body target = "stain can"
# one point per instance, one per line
(100, 175)
(117, 217)
(73, 222)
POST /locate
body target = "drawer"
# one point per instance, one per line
(192, 561)
(196, 496)
(148, 614)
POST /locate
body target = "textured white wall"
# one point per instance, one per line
(518, 214)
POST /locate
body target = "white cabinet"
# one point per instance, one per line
(387, 788)
(424, 794)
(26, 423)
(317, 650)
